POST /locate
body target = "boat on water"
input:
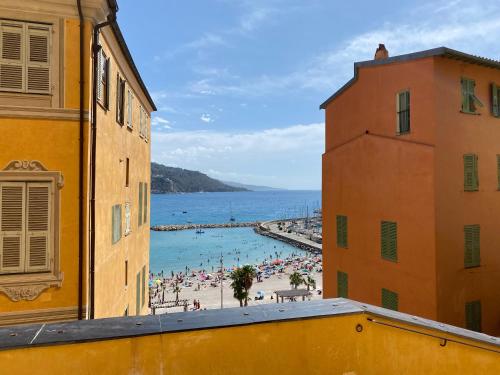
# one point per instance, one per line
(231, 217)
(199, 231)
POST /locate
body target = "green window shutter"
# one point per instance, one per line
(113, 225)
(138, 294)
(389, 240)
(465, 95)
(342, 284)
(473, 315)
(404, 112)
(495, 108)
(341, 231)
(471, 180)
(140, 204)
(143, 285)
(145, 203)
(472, 246)
(390, 299)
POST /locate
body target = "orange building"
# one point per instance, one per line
(411, 187)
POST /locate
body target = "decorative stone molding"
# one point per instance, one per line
(24, 292)
(25, 165)
(32, 166)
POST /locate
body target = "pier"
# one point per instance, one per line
(174, 227)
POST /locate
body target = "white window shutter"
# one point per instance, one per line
(38, 227)
(12, 226)
(127, 218)
(100, 61)
(12, 42)
(38, 59)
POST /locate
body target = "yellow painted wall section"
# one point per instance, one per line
(328, 345)
(55, 145)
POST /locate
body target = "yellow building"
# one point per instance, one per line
(335, 336)
(74, 164)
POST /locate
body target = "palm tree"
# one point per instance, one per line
(176, 290)
(242, 282)
(248, 274)
(296, 279)
(237, 285)
(310, 282)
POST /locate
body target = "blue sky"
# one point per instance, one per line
(238, 83)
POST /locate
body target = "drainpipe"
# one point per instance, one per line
(80, 171)
(95, 51)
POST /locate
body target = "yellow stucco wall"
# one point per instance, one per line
(329, 345)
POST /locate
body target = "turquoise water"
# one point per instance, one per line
(173, 251)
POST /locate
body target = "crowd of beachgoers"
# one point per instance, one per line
(197, 289)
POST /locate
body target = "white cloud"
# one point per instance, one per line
(160, 123)
(205, 117)
(287, 157)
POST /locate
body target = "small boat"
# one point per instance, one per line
(231, 218)
(199, 231)
(184, 212)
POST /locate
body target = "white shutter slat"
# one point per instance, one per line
(38, 227)
(12, 225)
(12, 57)
(38, 67)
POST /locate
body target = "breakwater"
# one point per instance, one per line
(174, 227)
(264, 231)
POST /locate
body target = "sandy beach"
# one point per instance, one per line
(273, 277)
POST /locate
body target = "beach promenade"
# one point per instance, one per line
(271, 229)
(174, 227)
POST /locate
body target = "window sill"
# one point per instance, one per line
(471, 267)
(470, 113)
(104, 107)
(470, 190)
(390, 260)
(131, 128)
(28, 286)
(403, 133)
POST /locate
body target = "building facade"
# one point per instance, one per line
(74, 182)
(411, 187)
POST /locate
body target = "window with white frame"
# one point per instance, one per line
(130, 107)
(127, 218)
(25, 57)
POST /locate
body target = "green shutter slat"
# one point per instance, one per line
(140, 204)
(389, 240)
(145, 202)
(495, 108)
(342, 284)
(472, 245)
(341, 231)
(471, 179)
(138, 294)
(473, 315)
(390, 299)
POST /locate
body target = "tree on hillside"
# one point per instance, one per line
(242, 280)
(296, 279)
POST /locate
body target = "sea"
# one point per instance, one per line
(187, 250)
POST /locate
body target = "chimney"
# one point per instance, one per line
(381, 52)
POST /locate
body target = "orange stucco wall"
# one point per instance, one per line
(382, 176)
(457, 134)
(371, 174)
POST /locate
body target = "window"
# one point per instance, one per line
(127, 172)
(143, 285)
(473, 316)
(103, 79)
(120, 99)
(116, 223)
(130, 106)
(495, 104)
(471, 180)
(403, 112)
(389, 238)
(140, 205)
(126, 273)
(342, 284)
(138, 294)
(472, 245)
(390, 299)
(341, 231)
(470, 102)
(127, 218)
(145, 203)
(143, 123)
(25, 57)
(26, 210)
